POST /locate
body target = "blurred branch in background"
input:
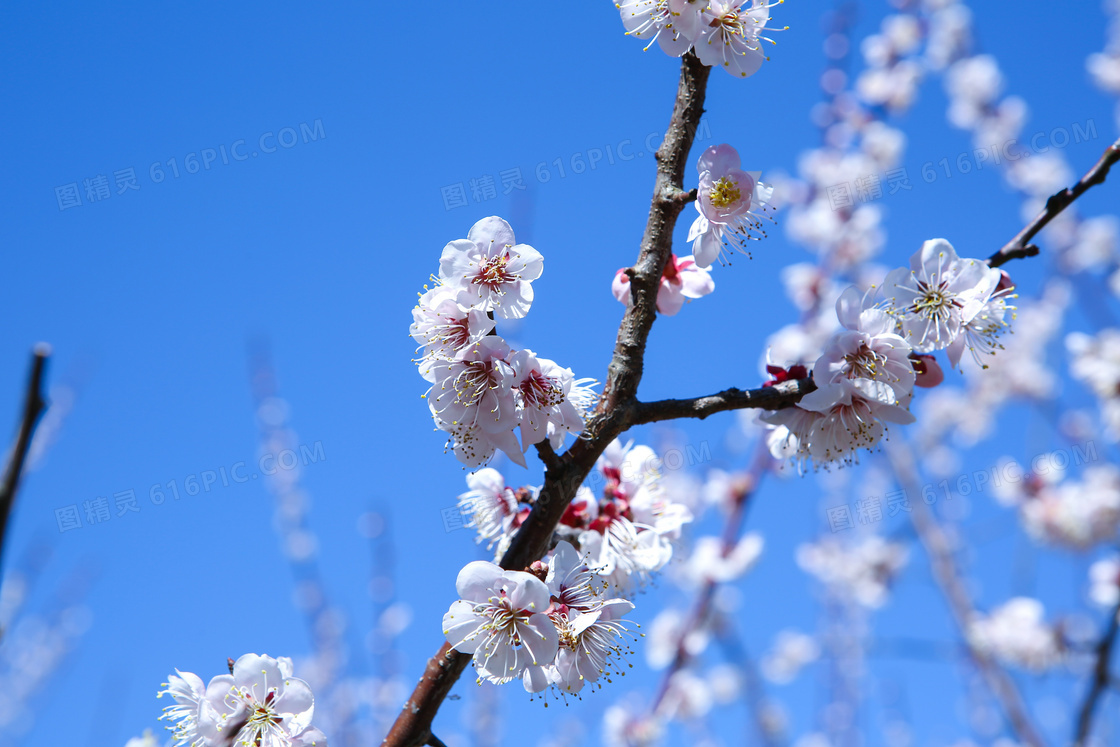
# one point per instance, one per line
(33, 406)
(940, 551)
(350, 707)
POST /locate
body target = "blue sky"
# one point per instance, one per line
(150, 297)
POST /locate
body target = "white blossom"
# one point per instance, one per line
(1016, 633)
(491, 267)
(501, 618)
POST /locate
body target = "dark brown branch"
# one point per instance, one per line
(939, 549)
(33, 406)
(1020, 246)
(767, 398)
(564, 474)
(1101, 679)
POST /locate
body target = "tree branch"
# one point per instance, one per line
(1101, 679)
(1020, 246)
(937, 546)
(774, 397)
(33, 406)
(564, 474)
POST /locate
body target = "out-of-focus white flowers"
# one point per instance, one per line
(723, 33)
(862, 571)
(483, 391)
(1095, 361)
(1016, 633)
(789, 654)
(1076, 514)
(259, 703)
(1104, 66)
(1104, 582)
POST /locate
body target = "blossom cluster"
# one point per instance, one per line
(1016, 633)
(722, 33)
(482, 390)
(863, 571)
(732, 204)
(550, 629)
(1075, 514)
(625, 534)
(258, 703)
(867, 373)
(563, 628)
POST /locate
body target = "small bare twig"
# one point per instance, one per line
(1020, 246)
(948, 578)
(33, 406)
(1101, 678)
(767, 398)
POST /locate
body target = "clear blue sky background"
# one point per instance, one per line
(150, 296)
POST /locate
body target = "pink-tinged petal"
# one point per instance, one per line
(461, 627)
(475, 581)
(620, 287)
(849, 306)
(935, 256)
(297, 700)
(614, 609)
(516, 302)
(877, 391)
(491, 235)
(567, 668)
(253, 671)
(895, 414)
(527, 262)
(825, 398)
(539, 638)
(877, 322)
(673, 44)
(310, 737)
(718, 160)
(217, 691)
(696, 283)
(955, 351)
(707, 246)
(584, 621)
(929, 373)
(669, 298)
(745, 65)
(457, 258)
(501, 659)
(698, 227)
(507, 442)
(526, 591)
(535, 679)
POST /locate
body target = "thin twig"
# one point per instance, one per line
(767, 398)
(1020, 246)
(33, 406)
(564, 474)
(1101, 678)
(945, 571)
